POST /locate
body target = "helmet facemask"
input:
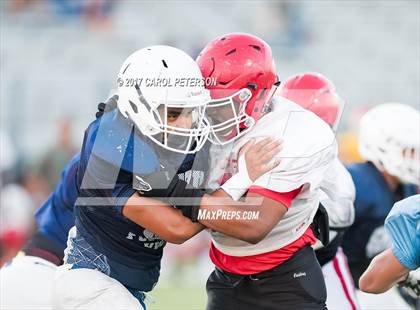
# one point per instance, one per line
(188, 138)
(401, 162)
(163, 129)
(411, 165)
(226, 116)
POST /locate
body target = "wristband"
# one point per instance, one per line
(239, 183)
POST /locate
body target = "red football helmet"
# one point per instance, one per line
(243, 80)
(314, 92)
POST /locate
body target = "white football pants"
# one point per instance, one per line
(90, 289)
(341, 293)
(26, 283)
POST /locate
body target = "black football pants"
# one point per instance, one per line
(296, 284)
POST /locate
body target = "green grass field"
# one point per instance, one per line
(180, 288)
(178, 299)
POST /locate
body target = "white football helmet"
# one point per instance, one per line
(156, 78)
(390, 137)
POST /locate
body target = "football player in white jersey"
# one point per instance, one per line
(318, 94)
(276, 267)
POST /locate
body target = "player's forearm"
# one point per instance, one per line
(222, 214)
(383, 273)
(165, 221)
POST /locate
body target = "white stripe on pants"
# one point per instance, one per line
(341, 293)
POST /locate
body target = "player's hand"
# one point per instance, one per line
(260, 156)
(187, 199)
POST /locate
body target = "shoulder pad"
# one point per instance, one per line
(116, 140)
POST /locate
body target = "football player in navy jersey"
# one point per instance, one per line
(389, 140)
(152, 146)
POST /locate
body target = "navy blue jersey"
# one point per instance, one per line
(367, 237)
(113, 153)
(55, 217)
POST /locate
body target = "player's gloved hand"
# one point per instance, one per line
(255, 159)
(167, 187)
(412, 283)
(187, 199)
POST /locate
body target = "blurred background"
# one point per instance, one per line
(60, 58)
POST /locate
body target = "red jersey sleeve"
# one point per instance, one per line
(284, 198)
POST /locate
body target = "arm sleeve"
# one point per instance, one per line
(403, 226)
(338, 194)
(55, 217)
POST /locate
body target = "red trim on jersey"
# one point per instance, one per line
(246, 265)
(284, 198)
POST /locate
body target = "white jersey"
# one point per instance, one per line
(337, 196)
(309, 148)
